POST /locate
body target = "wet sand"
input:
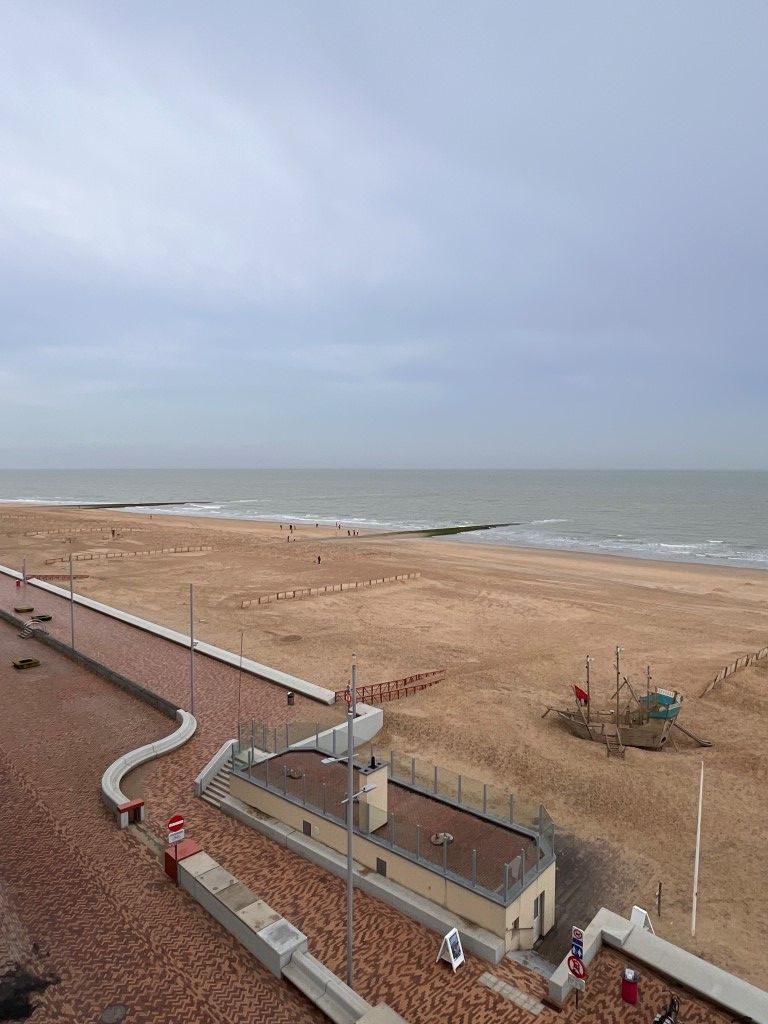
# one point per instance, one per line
(512, 627)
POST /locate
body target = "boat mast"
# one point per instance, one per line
(589, 701)
(619, 652)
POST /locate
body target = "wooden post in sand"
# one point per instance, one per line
(698, 852)
(619, 652)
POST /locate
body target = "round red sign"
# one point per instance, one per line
(576, 967)
(175, 823)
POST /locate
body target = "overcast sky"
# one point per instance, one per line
(384, 234)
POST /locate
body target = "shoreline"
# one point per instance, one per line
(445, 535)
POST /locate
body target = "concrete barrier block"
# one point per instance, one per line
(308, 974)
(236, 897)
(276, 944)
(216, 879)
(258, 915)
(346, 1002)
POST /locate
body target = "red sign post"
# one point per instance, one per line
(175, 834)
(577, 968)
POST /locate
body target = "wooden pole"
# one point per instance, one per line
(698, 852)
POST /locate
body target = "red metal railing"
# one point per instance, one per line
(377, 693)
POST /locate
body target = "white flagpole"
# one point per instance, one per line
(698, 851)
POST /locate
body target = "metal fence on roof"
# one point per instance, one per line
(270, 758)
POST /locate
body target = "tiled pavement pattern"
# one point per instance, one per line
(117, 931)
(108, 921)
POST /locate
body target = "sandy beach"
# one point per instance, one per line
(512, 628)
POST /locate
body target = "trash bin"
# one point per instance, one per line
(291, 698)
(629, 980)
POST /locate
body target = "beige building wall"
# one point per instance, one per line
(515, 924)
(373, 805)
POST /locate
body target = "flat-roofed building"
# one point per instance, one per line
(461, 847)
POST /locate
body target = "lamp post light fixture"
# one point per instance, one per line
(192, 643)
(350, 802)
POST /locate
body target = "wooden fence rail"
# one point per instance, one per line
(87, 556)
(331, 588)
(84, 529)
(377, 693)
(743, 662)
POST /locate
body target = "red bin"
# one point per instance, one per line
(629, 981)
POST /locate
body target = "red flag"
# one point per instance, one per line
(581, 695)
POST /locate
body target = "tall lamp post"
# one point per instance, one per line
(350, 802)
(71, 605)
(191, 650)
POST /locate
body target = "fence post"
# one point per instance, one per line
(522, 869)
(474, 869)
(266, 775)
(413, 771)
(253, 745)
(264, 736)
(485, 798)
(435, 782)
(317, 735)
(459, 791)
(275, 737)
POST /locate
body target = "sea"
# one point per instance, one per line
(714, 517)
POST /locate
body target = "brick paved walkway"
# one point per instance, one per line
(101, 900)
(108, 921)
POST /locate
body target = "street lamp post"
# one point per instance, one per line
(350, 802)
(239, 682)
(71, 604)
(191, 650)
(351, 711)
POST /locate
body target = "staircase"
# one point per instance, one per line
(614, 746)
(218, 788)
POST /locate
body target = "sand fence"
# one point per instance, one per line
(330, 588)
(743, 662)
(87, 556)
(84, 529)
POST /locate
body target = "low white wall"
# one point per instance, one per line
(700, 977)
(214, 766)
(369, 721)
(312, 690)
(111, 793)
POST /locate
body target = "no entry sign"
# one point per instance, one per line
(577, 968)
(175, 828)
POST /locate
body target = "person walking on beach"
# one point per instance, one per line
(318, 559)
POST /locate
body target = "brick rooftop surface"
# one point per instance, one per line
(113, 926)
(495, 844)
